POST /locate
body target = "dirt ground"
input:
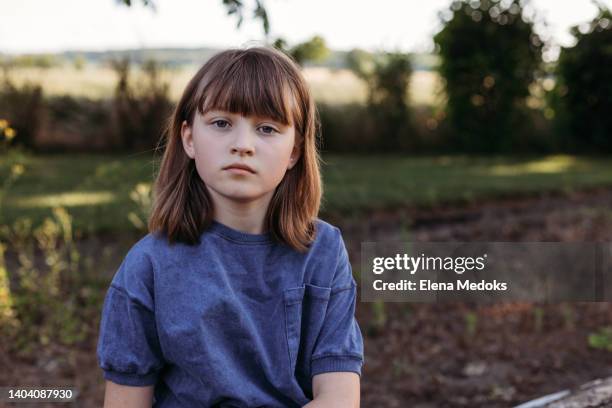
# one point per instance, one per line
(424, 355)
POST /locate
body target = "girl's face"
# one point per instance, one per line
(219, 140)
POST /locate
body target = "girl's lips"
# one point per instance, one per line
(239, 166)
(238, 170)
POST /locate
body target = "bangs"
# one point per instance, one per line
(250, 86)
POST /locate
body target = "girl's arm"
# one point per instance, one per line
(335, 389)
(117, 395)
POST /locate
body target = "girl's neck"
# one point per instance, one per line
(244, 216)
(244, 224)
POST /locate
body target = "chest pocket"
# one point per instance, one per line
(305, 308)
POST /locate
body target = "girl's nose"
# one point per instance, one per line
(243, 143)
(246, 151)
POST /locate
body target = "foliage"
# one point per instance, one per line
(345, 128)
(144, 2)
(602, 339)
(23, 107)
(28, 61)
(490, 55)
(379, 320)
(582, 97)
(471, 323)
(388, 100)
(387, 77)
(233, 7)
(141, 109)
(361, 63)
(314, 49)
(77, 124)
(7, 134)
(13, 159)
(79, 62)
(56, 302)
(142, 197)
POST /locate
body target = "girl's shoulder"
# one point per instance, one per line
(134, 276)
(330, 255)
(328, 242)
(326, 231)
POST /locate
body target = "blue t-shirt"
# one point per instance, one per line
(237, 320)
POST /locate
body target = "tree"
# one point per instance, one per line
(314, 49)
(490, 55)
(234, 7)
(140, 109)
(387, 77)
(583, 92)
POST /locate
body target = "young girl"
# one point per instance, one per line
(239, 296)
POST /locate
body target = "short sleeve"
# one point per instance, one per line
(128, 347)
(339, 346)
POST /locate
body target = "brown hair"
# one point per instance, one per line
(253, 81)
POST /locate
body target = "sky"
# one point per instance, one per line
(32, 26)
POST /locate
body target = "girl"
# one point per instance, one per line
(239, 296)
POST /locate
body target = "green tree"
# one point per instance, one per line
(490, 55)
(234, 7)
(582, 98)
(387, 77)
(79, 62)
(140, 109)
(361, 62)
(314, 49)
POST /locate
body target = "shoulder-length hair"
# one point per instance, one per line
(253, 81)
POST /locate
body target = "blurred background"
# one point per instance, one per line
(481, 120)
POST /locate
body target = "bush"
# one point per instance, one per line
(56, 302)
(346, 128)
(140, 115)
(387, 77)
(23, 108)
(77, 124)
(582, 98)
(489, 57)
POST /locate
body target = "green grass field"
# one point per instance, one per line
(100, 191)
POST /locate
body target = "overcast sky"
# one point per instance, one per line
(407, 25)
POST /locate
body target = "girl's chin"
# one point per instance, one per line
(242, 196)
(238, 193)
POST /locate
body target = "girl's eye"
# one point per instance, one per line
(221, 121)
(268, 130)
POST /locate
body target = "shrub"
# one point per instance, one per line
(140, 115)
(56, 301)
(387, 77)
(77, 124)
(22, 107)
(489, 57)
(582, 97)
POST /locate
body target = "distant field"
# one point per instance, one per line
(331, 86)
(96, 189)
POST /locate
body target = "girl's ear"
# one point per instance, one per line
(187, 138)
(295, 155)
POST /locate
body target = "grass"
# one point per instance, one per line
(95, 189)
(371, 182)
